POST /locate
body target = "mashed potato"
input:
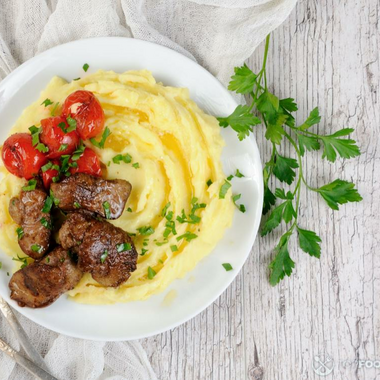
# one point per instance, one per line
(175, 149)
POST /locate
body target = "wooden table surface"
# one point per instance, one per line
(326, 54)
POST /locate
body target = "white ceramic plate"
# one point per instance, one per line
(208, 280)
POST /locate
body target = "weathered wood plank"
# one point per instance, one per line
(326, 54)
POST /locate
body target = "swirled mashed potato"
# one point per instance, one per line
(177, 149)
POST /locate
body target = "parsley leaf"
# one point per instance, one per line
(101, 143)
(19, 232)
(241, 121)
(283, 169)
(123, 247)
(47, 205)
(151, 273)
(47, 102)
(103, 256)
(127, 158)
(223, 189)
(62, 147)
(346, 148)
(313, 119)
(238, 174)
(146, 231)
(188, 236)
(308, 142)
(241, 207)
(23, 260)
(174, 248)
(107, 210)
(282, 264)
(85, 67)
(339, 192)
(54, 109)
(72, 124)
(243, 80)
(136, 165)
(31, 185)
(309, 242)
(227, 267)
(46, 223)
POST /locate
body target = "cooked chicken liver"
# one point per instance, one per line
(35, 232)
(106, 198)
(41, 283)
(105, 251)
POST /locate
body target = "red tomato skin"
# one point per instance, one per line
(48, 175)
(53, 136)
(88, 163)
(87, 111)
(20, 157)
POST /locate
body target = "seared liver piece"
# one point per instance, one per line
(41, 283)
(26, 210)
(92, 194)
(105, 251)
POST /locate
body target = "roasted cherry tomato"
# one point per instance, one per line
(87, 111)
(50, 171)
(56, 137)
(20, 157)
(87, 163)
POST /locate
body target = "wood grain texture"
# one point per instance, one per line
(325, 54)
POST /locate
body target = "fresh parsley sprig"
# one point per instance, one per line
(278, 117)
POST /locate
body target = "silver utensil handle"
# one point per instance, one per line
(21, 335)
(38, 372)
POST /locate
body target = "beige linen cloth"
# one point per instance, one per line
(218, 34)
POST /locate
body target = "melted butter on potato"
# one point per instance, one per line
(178, 149)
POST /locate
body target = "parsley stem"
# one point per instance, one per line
(265, 59)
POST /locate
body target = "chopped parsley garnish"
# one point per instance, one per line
(63, 147)
(223, 189)
(48, 259)
(62, 260)
(170, 228)
(101, 143)
(209, 183)
(123, 247)
(31, 185)
(57, 178)
(145, 242)
(151, 273)
(191, 218)
(174, 248)
(52, 113)
(47, 166)
(77, 78)
(47, 205)
(46, 223)
(241, 207)
(136, 165)
(165, 209)
(188, 236)
(107, 210)
(127, 158)
(238, 174)
(129, 209)
(35, 132)
(19, 232)
(103, 256)
(77, 205)
(1, 264)
(54, 199)
(47, 102)
(227, 267)
(72, 124)
(146, 231)
(23, 260)
(42, 148)
(37, 248)
(73, 164)
(160, 243)
(85, 67)
(230, 177)
(78, 153)
(143, 252)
